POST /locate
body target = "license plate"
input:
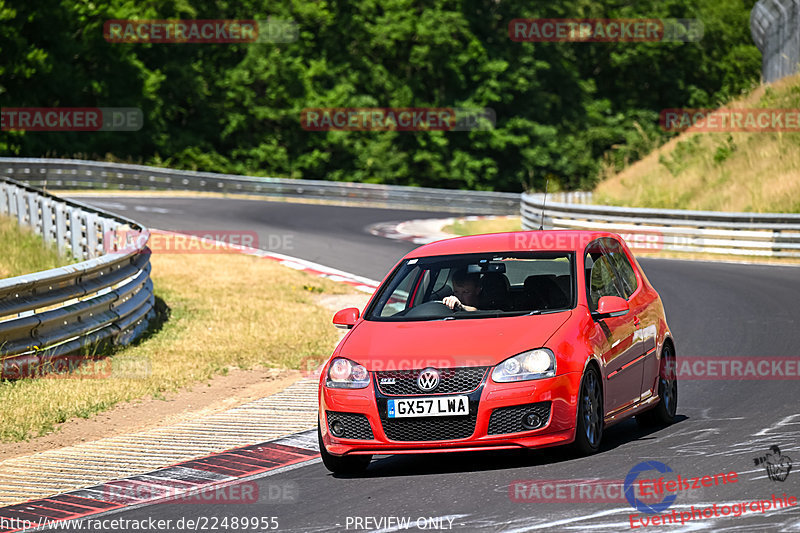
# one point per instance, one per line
(439, 406)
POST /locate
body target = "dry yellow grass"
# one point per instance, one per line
(758, 172)
(486, 225)
(226, 311)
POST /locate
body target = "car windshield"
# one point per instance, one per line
(477, 286)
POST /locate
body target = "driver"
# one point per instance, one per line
(466, 288)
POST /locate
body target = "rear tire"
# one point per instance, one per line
(347, 465)
(589, 429)
(664, 413)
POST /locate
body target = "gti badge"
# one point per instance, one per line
(428, 379)
(387, 381)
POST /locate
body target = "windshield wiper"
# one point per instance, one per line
(492, 314)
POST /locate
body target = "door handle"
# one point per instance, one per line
(636, 321)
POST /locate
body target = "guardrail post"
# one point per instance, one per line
(5, 199)
(91, 235)
(47, 220)
(61, 226)
(75, 233)
(33, 213)
(108, 237)
(20, 207)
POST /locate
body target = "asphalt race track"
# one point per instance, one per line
(714, 309)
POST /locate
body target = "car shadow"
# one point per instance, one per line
(458, 462)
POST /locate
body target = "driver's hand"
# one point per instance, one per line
(452, 302)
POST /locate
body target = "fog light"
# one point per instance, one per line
(337, 428)
(531, 421)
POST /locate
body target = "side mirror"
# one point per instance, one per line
(609, 306)
(346, 318)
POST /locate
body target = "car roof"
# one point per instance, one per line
(517, 241)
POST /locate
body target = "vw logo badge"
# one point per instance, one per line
(428, 379)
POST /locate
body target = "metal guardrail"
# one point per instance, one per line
(751, 234)
(775, 26)
(75, 174)
(108, 296)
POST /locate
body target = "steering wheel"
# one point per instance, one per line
(434, 308)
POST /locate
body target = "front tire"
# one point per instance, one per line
(349, 465)
(589, 429)
(664, 413)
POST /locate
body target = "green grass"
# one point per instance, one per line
(24, 252)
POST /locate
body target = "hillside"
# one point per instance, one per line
(757, 172)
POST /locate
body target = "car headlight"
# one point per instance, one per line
(533, 364)
(346, 374)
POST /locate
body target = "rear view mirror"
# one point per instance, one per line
(346, 318)
(609, 306)
(485, 266)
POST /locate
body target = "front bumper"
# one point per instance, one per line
(560, 391)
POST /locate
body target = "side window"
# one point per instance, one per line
(601, 277)
(622, 266)
(420, 288)
(398, 299)
(626, 274)
(437, 288)
(441, 280)
(603, 280)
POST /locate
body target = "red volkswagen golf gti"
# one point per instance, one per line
(494, 342)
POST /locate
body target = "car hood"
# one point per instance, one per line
(447, 343)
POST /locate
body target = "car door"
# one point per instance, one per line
(616, 338)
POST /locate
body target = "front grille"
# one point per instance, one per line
(432, 428)
(451, 380)
(509, 419)
(356, 426)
